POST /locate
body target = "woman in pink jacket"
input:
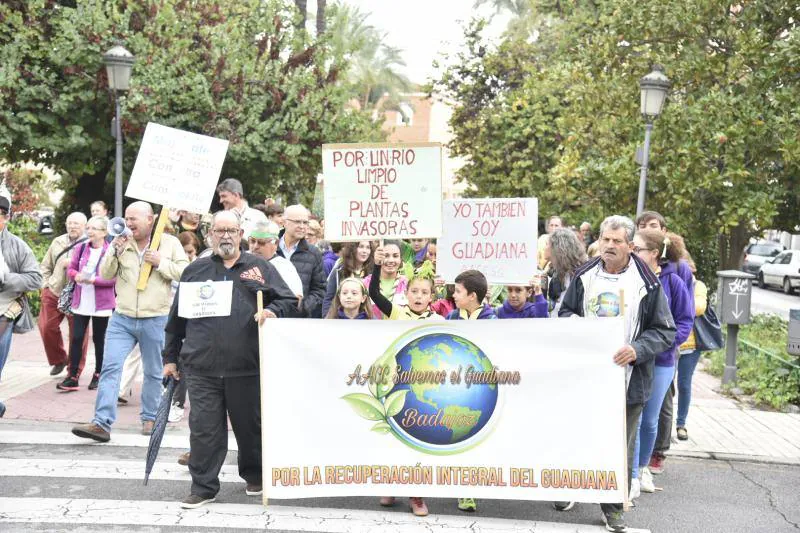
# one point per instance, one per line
(93, 299)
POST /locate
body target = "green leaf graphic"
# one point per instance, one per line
(394, 403)
(381, 427)
(365, 406)
(387, 360)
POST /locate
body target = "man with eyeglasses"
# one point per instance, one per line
(307, 259)
(139, 318)
(263, 241)
(219, 357)
(54, 272)
(231, 196)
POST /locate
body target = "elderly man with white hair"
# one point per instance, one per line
(263, 241)
(54, 273)
(306, 259)
(219, 356)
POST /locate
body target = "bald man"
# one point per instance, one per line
(139, 318)
(306, 258)
(54, 273)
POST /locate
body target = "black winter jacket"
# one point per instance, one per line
(308, 262)
(226, 346)
(655, 330)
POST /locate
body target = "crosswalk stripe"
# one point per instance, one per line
(274, 517)
(79, 468)
(117, 439)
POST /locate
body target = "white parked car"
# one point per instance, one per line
(782, 271)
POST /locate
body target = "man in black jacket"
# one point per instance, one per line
(306, 258)
(219, 356)
(618, 281)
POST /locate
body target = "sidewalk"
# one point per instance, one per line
(719, 427)
(30, 394)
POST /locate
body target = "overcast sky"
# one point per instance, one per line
(422, 28)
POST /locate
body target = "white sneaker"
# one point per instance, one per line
(647, 481)
(635, 489)
(175, 413)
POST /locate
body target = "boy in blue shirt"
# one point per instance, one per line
(471, 288)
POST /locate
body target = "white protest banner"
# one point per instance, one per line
(517, 409)
(177, 168)
(496, 236)
(200, 299)
(375, 191)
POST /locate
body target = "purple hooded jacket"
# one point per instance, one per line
(682, 306)
(103, 288)
(537, 309)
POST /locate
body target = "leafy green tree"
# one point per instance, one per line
(724, 154)
(234, 70)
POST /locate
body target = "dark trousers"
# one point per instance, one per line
(49, 323)
(632, 414)
(212, 399)
(665, 422)
(80, 323)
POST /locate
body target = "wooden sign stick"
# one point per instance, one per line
(155, 241)
(265, 474)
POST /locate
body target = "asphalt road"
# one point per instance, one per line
(772, 300)
(702, 496)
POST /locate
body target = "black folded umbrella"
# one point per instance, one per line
(159, 426)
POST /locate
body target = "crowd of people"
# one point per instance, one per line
(90, 278)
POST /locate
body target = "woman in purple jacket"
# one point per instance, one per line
(662, 256)
(93, 299)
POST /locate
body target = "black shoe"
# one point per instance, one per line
(69, 384)
(57, 369)
(95, 381)
(615, 521)
(2, 409)
(194, 501)
(254, 490)
(563, 506)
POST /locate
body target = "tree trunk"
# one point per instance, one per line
(321, 5)
(732, 246)
(303, 9)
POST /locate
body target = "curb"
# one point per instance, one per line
(736, 457)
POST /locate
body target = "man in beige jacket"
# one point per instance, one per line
(139, 318)
(54, 273)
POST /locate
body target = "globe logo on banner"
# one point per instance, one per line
(436, 391)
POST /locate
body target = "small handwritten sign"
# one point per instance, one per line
(496, 236)
(377, 191)
(177, 168)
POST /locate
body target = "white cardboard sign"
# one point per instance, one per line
(177, 168)
(496, 236)
(375, 191)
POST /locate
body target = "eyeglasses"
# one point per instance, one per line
(261, 242)
(637, 249)
(95, 229)
(225, 231)
(298, 222)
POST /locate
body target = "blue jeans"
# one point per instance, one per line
(686, 366)
(5, 343)
(648, 427)
(122, 335)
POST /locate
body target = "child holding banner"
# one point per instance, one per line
(419, 293)
(351, 301)
(471, 289)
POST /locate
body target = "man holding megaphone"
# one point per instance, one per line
(139, 318)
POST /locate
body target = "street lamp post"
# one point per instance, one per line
(654, 89)
(118, 62)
